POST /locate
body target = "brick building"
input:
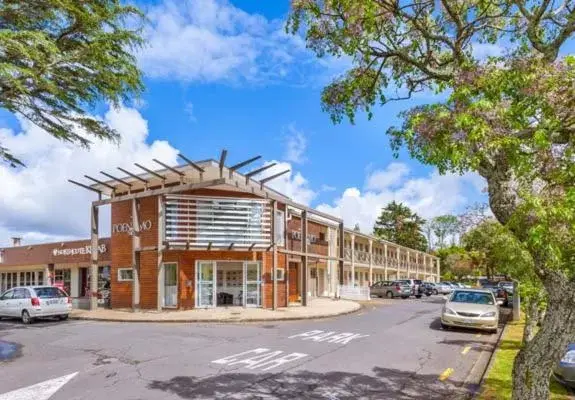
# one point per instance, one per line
(204, 234)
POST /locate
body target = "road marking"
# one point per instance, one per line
(260, 358)
(360, 314)
(40, 391)
(478, 335)
(445, 374)
(329, 337)
(466, 350)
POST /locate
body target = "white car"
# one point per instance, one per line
(32, 302)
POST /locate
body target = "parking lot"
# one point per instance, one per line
(391, 349)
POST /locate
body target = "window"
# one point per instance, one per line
(8, 295)
(322, 236)
(279, 235)
(21, 294)
(49, 293)
(40, 278)
(125, 274)
(62, 279)
(280, 274)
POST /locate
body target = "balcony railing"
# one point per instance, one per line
(196, 221)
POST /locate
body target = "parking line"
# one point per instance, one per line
(466, 350)
(445, 374)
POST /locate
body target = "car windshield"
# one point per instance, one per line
(49, 292)
(472, 297)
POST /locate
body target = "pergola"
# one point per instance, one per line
(131, 186)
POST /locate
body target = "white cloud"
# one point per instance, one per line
(292, 184)
(296, 145)
(428, 196)
(189, 111)
(327, 188)
(38, 203)
(212, 40)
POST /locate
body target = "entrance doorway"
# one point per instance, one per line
(293, 282)
(228, 283)
(170, 285)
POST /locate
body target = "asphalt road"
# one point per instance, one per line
(391, 349)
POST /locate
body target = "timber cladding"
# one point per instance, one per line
(121, 256)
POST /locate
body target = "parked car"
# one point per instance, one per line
(414, 284)
(29, 303)
(471, 308)
(444, 288)
(564, 371)
(503, 296)
(432, 286)
(426, 289)
(391, 289)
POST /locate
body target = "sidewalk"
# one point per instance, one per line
(318, 308)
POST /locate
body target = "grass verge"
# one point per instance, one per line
(497, 385)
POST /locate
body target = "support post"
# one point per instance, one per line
(352, 260)
(135, 257)
(286, 258)
(516, 302)
(304, 258)
(94, 259)
(385, 261)
(160, 270)
(341, 233)
(398, 273)
(370, 261)
(274, 257)
(438, 271)
(417, 267)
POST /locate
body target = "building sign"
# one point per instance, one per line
(79, 250)
(127, 228)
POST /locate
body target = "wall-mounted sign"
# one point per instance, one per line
(79, 250)
(127, 228)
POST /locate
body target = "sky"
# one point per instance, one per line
(225, 74)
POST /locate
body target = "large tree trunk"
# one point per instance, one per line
(533, 364)
(532, 316)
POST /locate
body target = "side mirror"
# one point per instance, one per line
(499, 302)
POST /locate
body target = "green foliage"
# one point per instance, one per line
(444, 226)
(398, 224)
(60, 57)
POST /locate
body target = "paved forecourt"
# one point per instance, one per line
(388, 350)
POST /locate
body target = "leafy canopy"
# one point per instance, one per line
(398, 224)
(60, 57)
(508, 117)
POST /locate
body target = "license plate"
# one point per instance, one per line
(53, 301)
(468, 321)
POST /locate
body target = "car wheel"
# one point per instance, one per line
(435, 292)
(63, 317)
(26, 319)
(405, 297)
(444, 327)
(389, 295)
(418, 296)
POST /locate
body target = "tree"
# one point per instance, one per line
(398, 224)
(356, 228)
(60, 57)
(507, 117)
(444, 226)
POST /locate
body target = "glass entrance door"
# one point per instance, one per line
(205, 277)
(253, 284)
(170, 285)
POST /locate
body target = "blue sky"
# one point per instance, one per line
(219, 75)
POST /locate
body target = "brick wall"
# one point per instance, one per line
(313, 228)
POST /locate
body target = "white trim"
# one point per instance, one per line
(120, 279)
(280, 277)
(163, 287)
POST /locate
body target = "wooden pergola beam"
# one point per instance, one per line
(149, 171)
(100, 182)
(259, 170)
(85, 186)
(139, 178)
(128, 184)
(244, 163)
(191, 163)
(175, 171)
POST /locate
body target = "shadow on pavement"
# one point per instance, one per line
(382, 384)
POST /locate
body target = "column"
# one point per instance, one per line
(385, 261)
(304, 258)
(135, 256)
(74, 282)
(341, 233)
(370, 261)
(48, 275)
(417, 266)
(94, 259)
(160, 270)
(438, 272)
(397, 253)
(352, 260)
(274, 257)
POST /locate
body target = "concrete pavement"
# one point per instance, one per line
(318, 308)
(391, 349)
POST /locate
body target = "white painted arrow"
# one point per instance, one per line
(40, 391)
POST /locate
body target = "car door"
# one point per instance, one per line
(5, 303)
(20, 301)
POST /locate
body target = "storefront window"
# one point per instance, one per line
(62, 279)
